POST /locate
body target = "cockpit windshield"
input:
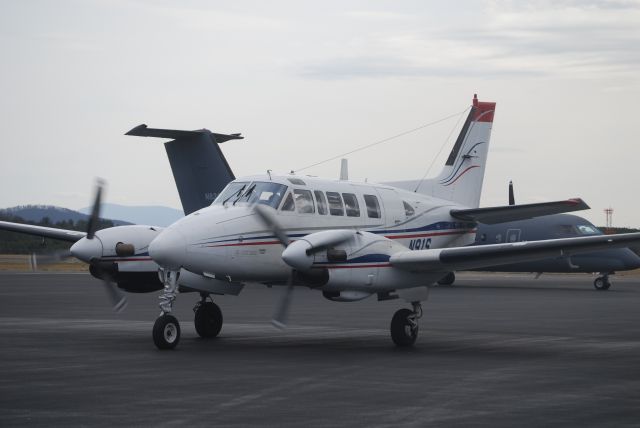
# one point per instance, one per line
(587, 229)
(257, 192)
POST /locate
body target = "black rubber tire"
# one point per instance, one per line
(402, 333)
(601, 284)
(208, 320)
(166, 332)
(449, 279)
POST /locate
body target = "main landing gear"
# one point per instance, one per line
(404, 325)
(208, 318)
(448, 279)
(602, 282)
(166, 330)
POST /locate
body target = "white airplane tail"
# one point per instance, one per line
(461, 178)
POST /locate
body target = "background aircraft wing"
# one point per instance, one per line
(463, 258)
(45, 232)
(494, 215)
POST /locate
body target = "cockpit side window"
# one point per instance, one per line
(304, 201)
(322, 202)
(335, 203)
(408, 209)
(351, 204)
(288, 204)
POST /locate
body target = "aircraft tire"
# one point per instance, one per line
(166, 332)
(601, 284)
(403, 333)
(449, 279)
(208, 320)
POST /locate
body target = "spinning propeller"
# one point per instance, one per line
(299, 255)
(90, 250)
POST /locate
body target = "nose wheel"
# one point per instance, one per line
(166, 332)
(404, 325)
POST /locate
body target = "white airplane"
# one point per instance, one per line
(350, 240)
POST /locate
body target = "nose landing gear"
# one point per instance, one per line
(404, 325)
(166, 330)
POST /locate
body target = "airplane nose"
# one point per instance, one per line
(168, 249)
(87, 249)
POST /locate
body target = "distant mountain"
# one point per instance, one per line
(35, 213)
(151, 215)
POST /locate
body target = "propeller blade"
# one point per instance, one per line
(118, 299)
(282, 310)
(269, 220)
(48, 258)
(95, 211)
(512, 199)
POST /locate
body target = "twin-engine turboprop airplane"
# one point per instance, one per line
(350, 240)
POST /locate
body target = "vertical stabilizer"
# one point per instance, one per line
(198, 165)
(461, 178)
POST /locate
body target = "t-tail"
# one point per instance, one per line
(461, 178)
(199, 167)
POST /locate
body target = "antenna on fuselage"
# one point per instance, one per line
(512, 199)
(344, 169)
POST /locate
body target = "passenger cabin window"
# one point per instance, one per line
(373, 207)
(408, 209)
(351, 204)
(322, 202)
(335, 203)
(304, 201)
(288, 203)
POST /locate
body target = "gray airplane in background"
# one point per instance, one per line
(554, 226)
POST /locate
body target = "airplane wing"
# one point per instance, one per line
(463, 258)
(45, 232)
(494, 215)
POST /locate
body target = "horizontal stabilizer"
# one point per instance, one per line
(45, 232)
(144, 131)
(495, 215)
(478, 256)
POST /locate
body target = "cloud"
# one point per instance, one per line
(506, 38)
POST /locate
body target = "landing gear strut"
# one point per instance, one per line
(166, 330)
(602, 282)
(404, 325)
(208, 318)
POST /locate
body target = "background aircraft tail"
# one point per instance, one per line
(198, 165)
(461, 178)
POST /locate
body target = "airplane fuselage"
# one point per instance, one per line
(228, 240)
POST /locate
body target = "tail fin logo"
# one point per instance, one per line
(455, 173)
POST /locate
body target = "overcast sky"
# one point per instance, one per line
(304, 81)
